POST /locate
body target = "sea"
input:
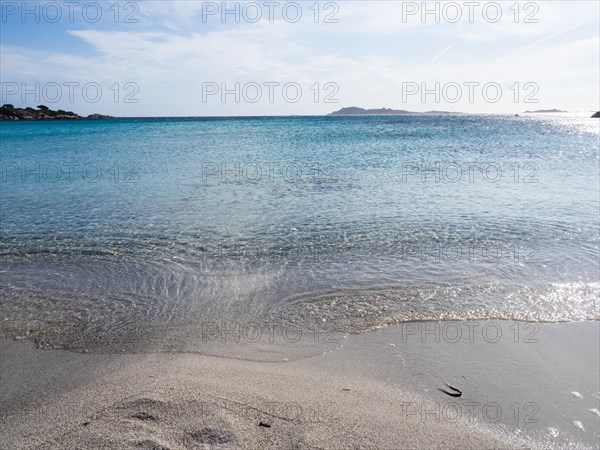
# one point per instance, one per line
(271, 237)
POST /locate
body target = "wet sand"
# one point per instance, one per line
(529, 388)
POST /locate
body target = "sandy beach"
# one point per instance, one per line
(300, 225)
(377, 391)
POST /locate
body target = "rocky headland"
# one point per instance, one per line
(9, 112)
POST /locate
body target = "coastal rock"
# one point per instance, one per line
(596, 115)
(99, 116)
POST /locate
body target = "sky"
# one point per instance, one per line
(195, 58)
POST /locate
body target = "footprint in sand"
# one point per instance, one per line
(213, 436)
(151, 445)
(144, 416)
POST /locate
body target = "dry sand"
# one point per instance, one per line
(372, 393)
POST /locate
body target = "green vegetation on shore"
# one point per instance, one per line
(9, 112)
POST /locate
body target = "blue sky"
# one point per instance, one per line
(170, 58)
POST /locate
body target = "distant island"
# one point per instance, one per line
(596, 115)
(545, 111)
(9, 112)
(355, 111)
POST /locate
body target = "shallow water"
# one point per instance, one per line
(161, 234)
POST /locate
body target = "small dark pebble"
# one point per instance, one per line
(345, 389)
(85, 424)
(264, 424)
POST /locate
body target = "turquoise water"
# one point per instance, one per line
(129, 234)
